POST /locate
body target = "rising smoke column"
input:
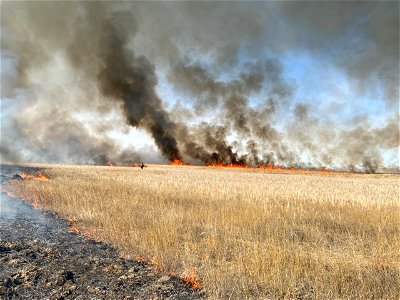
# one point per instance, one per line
(265, 144)
(43, 93)
(132, 80)
(94, 40)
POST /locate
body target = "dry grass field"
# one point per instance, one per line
(249, 234)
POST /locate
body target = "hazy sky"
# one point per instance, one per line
(296, 82)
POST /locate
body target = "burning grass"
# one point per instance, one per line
(177, 162)
(241, 233)
(39, 176)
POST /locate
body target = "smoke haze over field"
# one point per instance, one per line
(293, 83)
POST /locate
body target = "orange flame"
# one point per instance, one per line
(221, 165)
(293, 169)
(75, 229)
(324, 170)
(31, 199)
(110, 163)
(40, 176)
(271, 168)
(8, 193)
(140, 259)
(156, 263)
(191, 280)
(177, 162)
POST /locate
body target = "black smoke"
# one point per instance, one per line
(74, 76)
(132, 80)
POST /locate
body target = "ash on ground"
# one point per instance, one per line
(41, 259)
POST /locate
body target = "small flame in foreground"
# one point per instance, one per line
(191, 280)
(8, 193)
(40, 176)
(140, 259)
(156, 263)
(31, 199)
(75, 229)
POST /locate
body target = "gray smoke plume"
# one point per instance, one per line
(133, 80)
(90, 68)
(98, 52)
(238, 116)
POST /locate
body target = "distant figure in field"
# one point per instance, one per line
(142, 166)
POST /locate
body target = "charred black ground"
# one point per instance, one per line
(41, 259)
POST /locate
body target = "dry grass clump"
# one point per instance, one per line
(249, 234)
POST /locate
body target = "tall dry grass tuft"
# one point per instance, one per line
(248, 234)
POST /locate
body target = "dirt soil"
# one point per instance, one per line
(41, 259)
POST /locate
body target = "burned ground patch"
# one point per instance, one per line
(41, 259)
